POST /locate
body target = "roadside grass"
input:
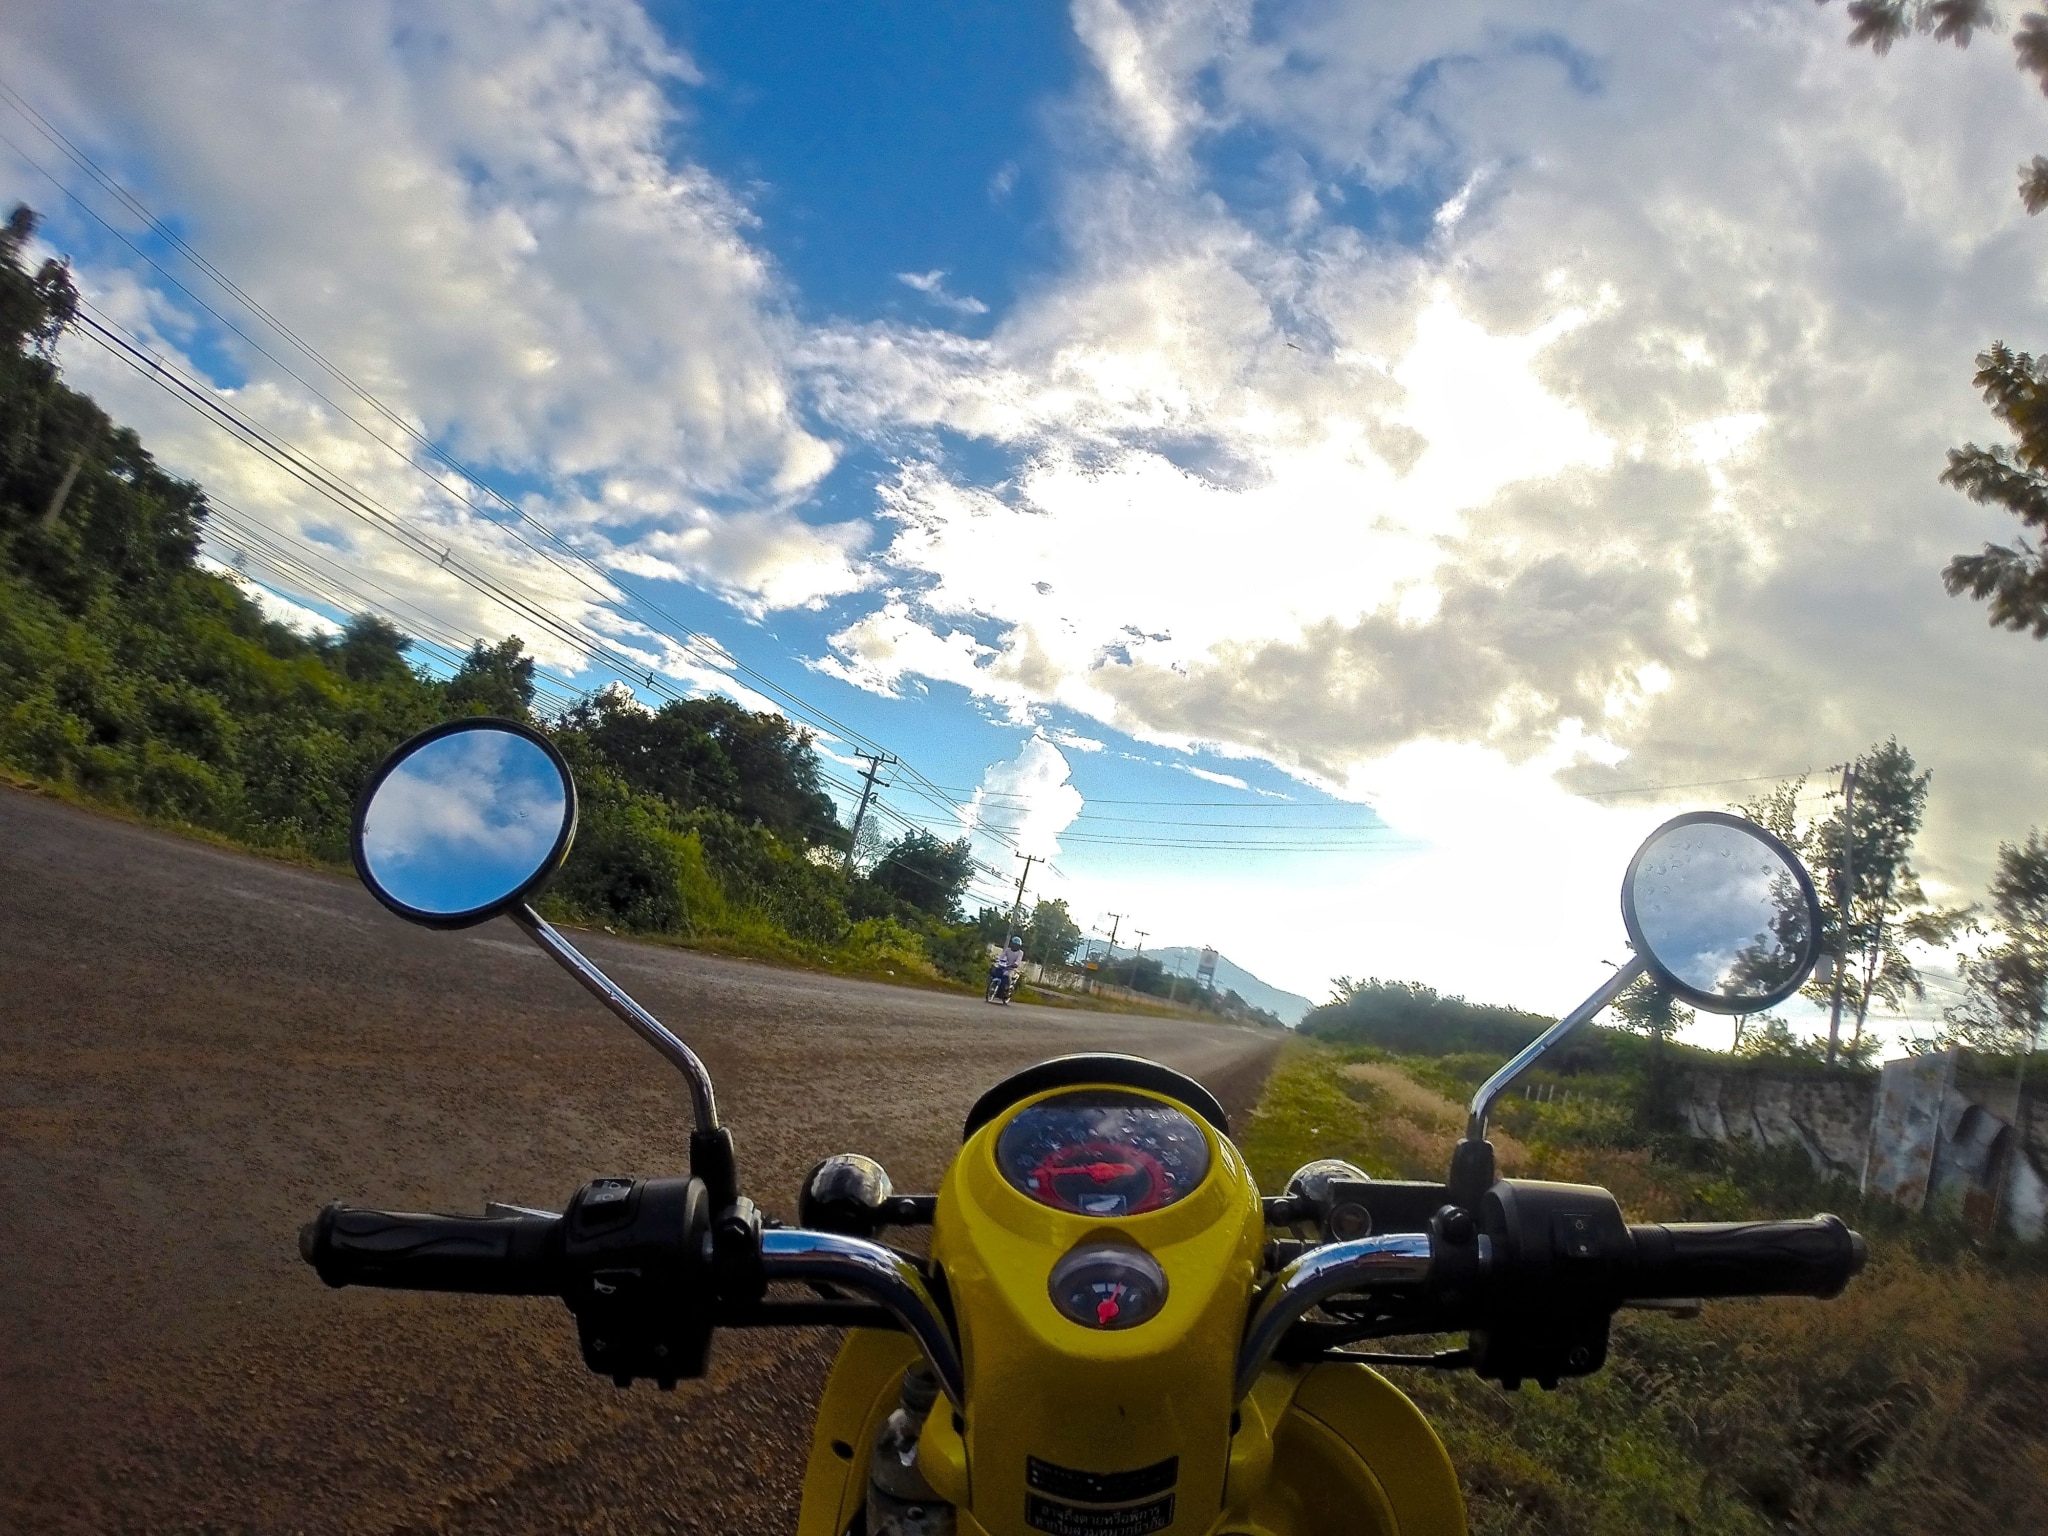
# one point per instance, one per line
(1916, 1402)
(874, 949)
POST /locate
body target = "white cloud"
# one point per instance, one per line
(1618, 467)
(480, 214)
(1631, 461)
(1021, 806)
(933, 286)
(1563, 403)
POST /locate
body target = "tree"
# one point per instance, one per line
(494, 680)
(34, 308)
(2006, 996)
(1877, 24)
(711, 752)
(1413, 1018)
(1887, 909)
(1051, 935)
(2012, 578)
(925, 873)
(370, 650)
(1648, 1007)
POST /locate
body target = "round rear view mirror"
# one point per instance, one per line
(1724, 913)
(464, 821)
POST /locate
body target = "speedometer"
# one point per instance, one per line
(1101, 1152)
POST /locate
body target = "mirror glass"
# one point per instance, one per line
(1724, 911)
(464, 821)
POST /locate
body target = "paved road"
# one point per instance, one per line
(197, 1049)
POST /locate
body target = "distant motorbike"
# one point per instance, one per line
(1113, 1332)
(1002, 981)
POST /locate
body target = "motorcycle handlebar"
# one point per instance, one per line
(1744, 1258)
(513, 1255)
(880, 1274)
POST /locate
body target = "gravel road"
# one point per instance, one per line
(198, 1049)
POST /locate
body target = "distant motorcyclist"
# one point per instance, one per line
(1003, 975)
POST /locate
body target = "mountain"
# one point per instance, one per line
(1182, 959)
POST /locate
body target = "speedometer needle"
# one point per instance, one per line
(1102, 1173)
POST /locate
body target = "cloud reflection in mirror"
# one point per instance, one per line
(464, 822)
(1721, 911)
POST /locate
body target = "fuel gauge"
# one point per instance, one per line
(1108, 1286)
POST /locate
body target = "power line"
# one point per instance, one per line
(610, 587)
(314, 476)
(615, 587)
(1352, 805)
(310, 473)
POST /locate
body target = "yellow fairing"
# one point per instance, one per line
(1333, 1449)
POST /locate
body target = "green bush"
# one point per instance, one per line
(132, 677)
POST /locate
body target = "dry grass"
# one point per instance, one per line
(1424, 1121)
(1917, 1402)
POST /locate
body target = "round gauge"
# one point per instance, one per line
(1100, 1152)
(1108, 1286)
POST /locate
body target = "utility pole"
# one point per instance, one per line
(1845, 899)
(1137, 955)
(875, 762)
(1017, 906)
(1109, 955)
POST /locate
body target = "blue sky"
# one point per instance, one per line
(879, 139)
(1295, 466)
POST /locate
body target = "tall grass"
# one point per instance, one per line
(1916, 1402)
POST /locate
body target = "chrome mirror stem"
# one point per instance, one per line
(613, 996)
(1530, 1054)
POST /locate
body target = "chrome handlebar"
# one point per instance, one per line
(1399, 1260)
(1394, 1259)
(880, 1274)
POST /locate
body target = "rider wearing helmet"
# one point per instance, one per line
(1007, 970)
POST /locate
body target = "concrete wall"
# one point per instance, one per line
(1828, 1118)
(1917, 1135)
(1906, 1128)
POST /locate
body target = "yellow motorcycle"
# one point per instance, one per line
(1113, 1332)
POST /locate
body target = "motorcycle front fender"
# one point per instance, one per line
(1328, 1450)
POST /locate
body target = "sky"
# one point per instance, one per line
(1324, 480)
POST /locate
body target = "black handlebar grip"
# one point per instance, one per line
(515, 1255)
(1744, 1258)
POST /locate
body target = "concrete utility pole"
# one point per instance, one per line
(1109, 955)
(1017, 906)
(875, 762)
(62, 494)
(1845, 898)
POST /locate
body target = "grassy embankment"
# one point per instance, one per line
(138, 681)
(1914, 1403)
